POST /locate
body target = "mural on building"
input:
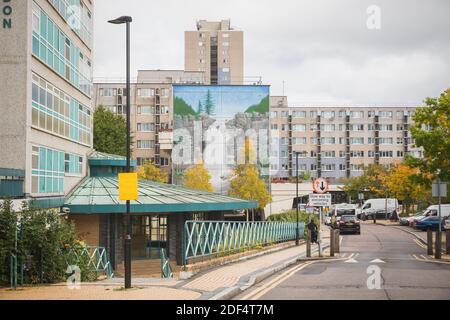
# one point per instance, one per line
(211, 125)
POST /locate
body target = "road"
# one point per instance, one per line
(389, 252)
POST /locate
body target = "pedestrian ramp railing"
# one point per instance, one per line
(166, 269)
(96, 257)
(220, 238)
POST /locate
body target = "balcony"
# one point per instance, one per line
(166, 139)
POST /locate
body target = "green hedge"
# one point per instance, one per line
(43, 239)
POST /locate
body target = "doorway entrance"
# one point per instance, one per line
(149, 234)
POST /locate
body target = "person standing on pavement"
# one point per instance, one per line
(313, 228)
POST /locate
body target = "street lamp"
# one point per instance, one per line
(127, 250)
(297, 230)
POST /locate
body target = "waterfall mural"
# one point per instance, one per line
(211, 125)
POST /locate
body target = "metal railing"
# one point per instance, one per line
(209, 238)
(98, 259)
(166, 270)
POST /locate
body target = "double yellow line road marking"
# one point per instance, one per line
(265, 288)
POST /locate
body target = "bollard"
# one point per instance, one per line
(429, 242)
(308, 244)
(438, 245)
(332, 242)
(337, 245)
(447, 241)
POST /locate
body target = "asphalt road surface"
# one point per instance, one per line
(381, 263)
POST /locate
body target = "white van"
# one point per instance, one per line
(378, 207)
(434, 210)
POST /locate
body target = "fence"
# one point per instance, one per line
(209, 238)
(166, 270)
(98, 259)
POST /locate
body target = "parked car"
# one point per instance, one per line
(431, 222)
(431, 211)
(349, 224)
(405, 221)
(377, 207)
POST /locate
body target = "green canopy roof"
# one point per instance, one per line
(105, 159)
(101, 195)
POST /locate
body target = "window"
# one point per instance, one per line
(371, 140)
(359, 140)
(313, 140)
(145, 127)
(400, 127)
(274, 126)
(357, 154)
(313, 167)
(284, 127)
(329, 154)
(371, 114)
(299, 127)
(328, 167)
(145, 110)
(58, 113)
(357, 114)
(273, 114)
(284, 114)
(386, 127)
(108, 92)
(385, 114)
(313, 114)
(371, 154)
(226, 44)
(372, 127)
(299, 114)
(342, 167)
(146, 93)
(297, 140)
(73, 164)
(284, 141)
(164, 93)
(284, 154)
(226, 35)
(328, 127)
(400, 154)
(164, 109)
(356, 127)
(342, 114)
(386, 154)
(314, 127)
(327, 114)
(385, 141)
(400, 140)
(356, 167)
(145, 144)
(47, 176)
(164, 162)
(313, 154)
(328, 140)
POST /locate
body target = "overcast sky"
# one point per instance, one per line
(322, 49)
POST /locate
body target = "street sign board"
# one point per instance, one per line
(442, 187)
(128, 186)
(320, 186)
(320, 200)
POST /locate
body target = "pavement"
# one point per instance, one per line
(381, 263)
(209, 284)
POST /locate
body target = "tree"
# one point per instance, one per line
(399, 183)
(247, 185)
(209, 104)
(197, 177)
(109, 132)
(370, 182)
(152, 173)
(431, 131)
(182, 108)
(200, 108)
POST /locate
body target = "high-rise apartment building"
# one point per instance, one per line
(217, 50)
(46, 121)
(151, 111)
(337, 142)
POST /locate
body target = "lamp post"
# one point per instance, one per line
(297, 230)
(127, 250)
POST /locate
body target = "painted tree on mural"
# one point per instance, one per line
(200, 109)
(209, 104)
(197, 177)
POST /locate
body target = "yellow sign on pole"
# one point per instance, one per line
(128, 186)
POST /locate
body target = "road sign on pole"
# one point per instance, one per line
(320, 186)
(320, 200)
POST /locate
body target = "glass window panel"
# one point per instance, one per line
(42, 120)
(35, 117)
(41, 184)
